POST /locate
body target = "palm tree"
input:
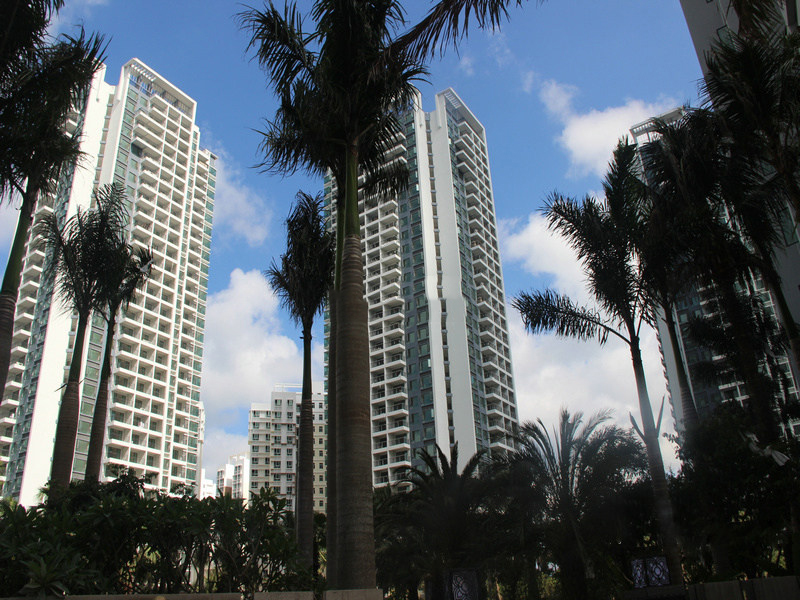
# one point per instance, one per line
(448, 510)
(125, 271)
(752, 84)
(704, 199)
(580, 469)
(301, 281)
(80, 248)
(682, 169)
(340, 88)
(33, 110)
(602, 233)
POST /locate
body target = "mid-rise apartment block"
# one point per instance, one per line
(440, 359)
(272, 435)
(141, 134)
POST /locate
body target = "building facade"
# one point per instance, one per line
(141, 134)
(272, 435)
(439, 350)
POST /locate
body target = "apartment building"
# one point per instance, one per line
(233, 478)
(439, 349)
(142, 134)
(272, 435)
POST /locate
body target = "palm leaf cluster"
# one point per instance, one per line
(560, 500)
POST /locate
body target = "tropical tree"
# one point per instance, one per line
(714, 221)
(582, 470)
(449, 511)
(45, 83)
(125, 270)
(80, 246)
(602, 234)
(340, 88)
(752, 83)
(302, 280)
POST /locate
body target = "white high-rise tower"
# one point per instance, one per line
(439, 349)
(141, 134)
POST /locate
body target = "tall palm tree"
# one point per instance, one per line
(80, 248)
(302, 280)
(33, 111)
(125, 270)
(602, 234)
(579, 469)
(341, 87)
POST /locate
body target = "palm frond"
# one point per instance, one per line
(548, 311)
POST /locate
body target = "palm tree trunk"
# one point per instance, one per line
(304, 511)
(663, 505)
(688, 407)
(95, 458)
(12, 278)
(356, 533)
(67, 428)
(332, 530)
(355, 529)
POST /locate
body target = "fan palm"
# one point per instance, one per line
(33, 111)
(579, 469)
(603, 234)
(302, 280)
(124, 271)
(80, 249)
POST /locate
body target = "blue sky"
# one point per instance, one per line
(555, 87)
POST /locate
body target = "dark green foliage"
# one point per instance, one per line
(120, 537)
(582, 475)
(732, 502)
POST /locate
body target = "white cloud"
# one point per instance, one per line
(72, 15)
(246, 353)
(239, 211)
(544, 253)
(528, 81)
(500, 50)
(590, 137)
(467, 66)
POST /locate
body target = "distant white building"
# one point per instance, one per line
(272, 434)
(233, 478)
(208, 486)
